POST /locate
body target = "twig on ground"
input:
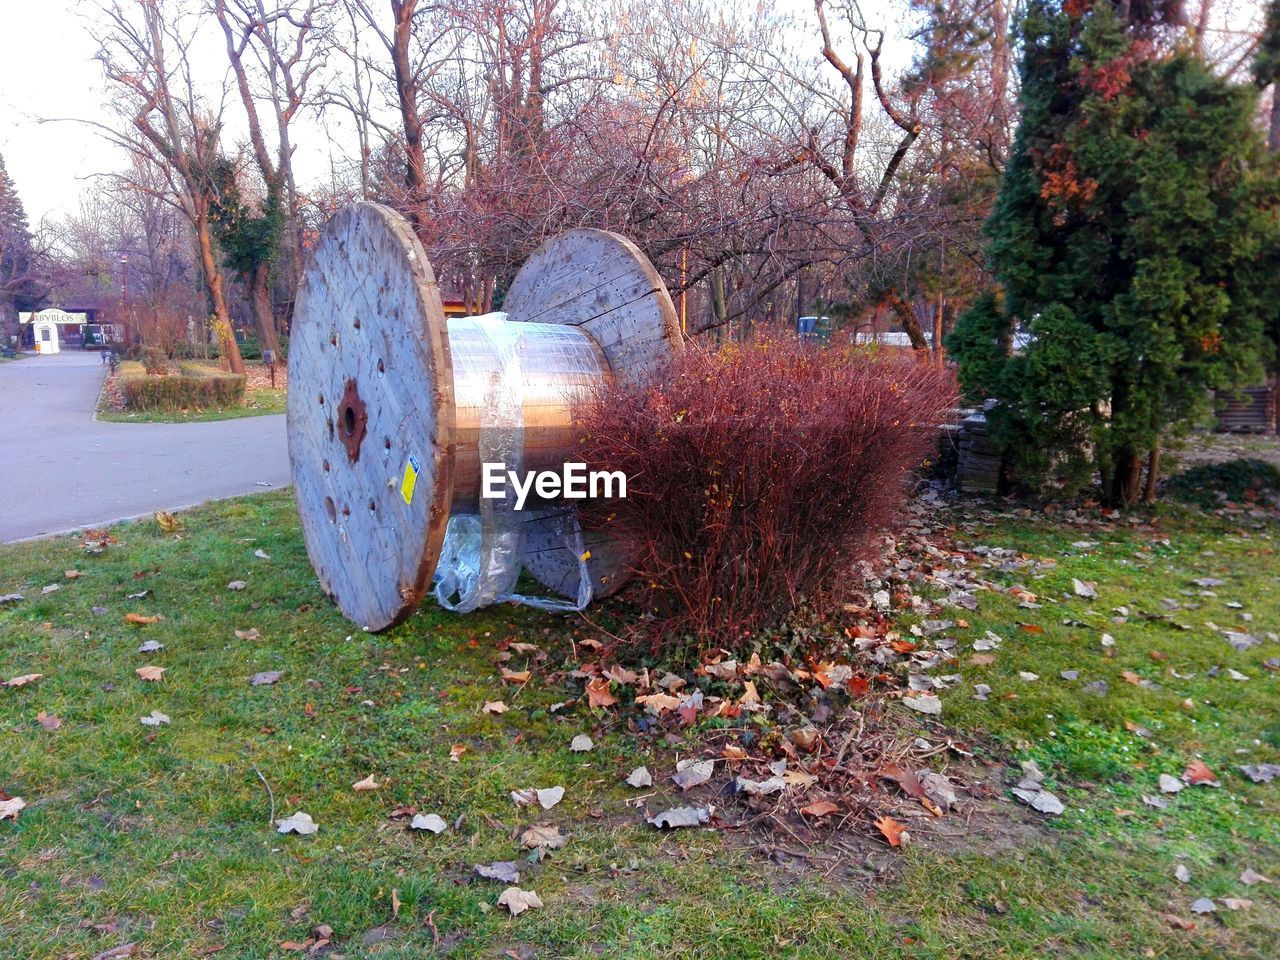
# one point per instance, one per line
(270, 794)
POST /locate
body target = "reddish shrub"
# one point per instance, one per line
(758, 475)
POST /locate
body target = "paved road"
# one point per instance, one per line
(62, 470)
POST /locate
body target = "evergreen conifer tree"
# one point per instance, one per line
(1132, 239)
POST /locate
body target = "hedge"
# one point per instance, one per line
(193, 387)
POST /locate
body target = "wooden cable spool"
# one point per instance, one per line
(387, 397)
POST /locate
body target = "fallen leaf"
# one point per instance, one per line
(117, 953)
(151, 673)
(10, 806)
(821, 808)
(151, 646)
(250, 634)
(760, 788)
(236, 585)
(48, 720)
(493, 706)
(1170, 784)
(693, 773)
(544, 835)
(927, 704)
(1182, 874)
(893, 831)
(168, 522)
(906, 779)
(1177, 922)
(300, 823)
(51, 588)
(518, 901)
(621, 675)
(658, 703)
(265, 678)
(598, 694)
(154, 719)
(1084, 589)
(139, 619)
(429, 821)
(1250, 877)
(1261, 772)
(262, 554)
(1204, 905)
(368, 783)
(1137, 728)
(1236, 903)
(395, 900)
(1199, 774)
(640, 777)
(1041, 800)
(456, 752)
(679, 817)
(505, 870)
(581, 744)
(939, 789)
(546, 797)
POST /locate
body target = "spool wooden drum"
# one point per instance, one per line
(387, 398)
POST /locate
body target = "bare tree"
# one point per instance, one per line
(144, 52)
(275, 55)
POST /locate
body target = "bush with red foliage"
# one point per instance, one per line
(757, 476)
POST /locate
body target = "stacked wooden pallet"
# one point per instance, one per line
(979, 468)
(1251, 410)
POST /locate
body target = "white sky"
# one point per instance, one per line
(47, 70)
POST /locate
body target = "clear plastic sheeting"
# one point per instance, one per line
(480, 561)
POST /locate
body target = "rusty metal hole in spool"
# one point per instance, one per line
(357, 323)
(330, 509)
(372, 506)
(354, 419)
(381, 367)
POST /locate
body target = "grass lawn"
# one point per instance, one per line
(160, 836)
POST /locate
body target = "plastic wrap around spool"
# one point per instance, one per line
(599, 282)
(372, 438)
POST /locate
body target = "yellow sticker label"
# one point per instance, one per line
(410, 479)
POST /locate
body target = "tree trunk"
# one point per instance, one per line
(1273, 129)
(906, 315)
(213, 276)
(1153, 472)
(259, 283)
(1124, 485)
